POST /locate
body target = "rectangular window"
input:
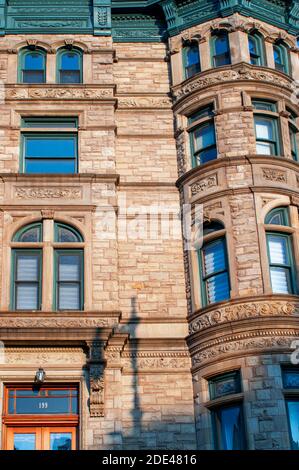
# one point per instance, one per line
(280, 260)
(203, 136)
(293, 142)
(214, 268)
(28, 401)
(47, 151)
(27, 280)
(229, 427)
(264, 105)
(291, 382)
(228, 422)
(69, 279)
(266, 130)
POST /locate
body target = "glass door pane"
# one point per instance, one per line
(60, 441)
(24, 441)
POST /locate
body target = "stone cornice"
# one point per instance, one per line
(54, 178)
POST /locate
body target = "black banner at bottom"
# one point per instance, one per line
(149, 459)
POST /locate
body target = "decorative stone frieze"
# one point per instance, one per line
(59, 93)
(255, 341)
(155, 360)
(203, 185)
(48, 192)
(243, 72)
(243, 311)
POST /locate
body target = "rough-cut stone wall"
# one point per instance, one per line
(127, 158)
(253, 331)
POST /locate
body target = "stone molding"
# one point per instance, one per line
(243, 343)
(232, 73)
(243, 310)
(40, 356)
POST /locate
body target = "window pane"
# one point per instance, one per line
(276, 218)
(69, 268)
(229, 428)
(43, 147)
(252, 46)
(291, 379)
(33, 76)
(27, 267)
(206, 156)
(204, 136)
(24, 441)
(264, 129)
(226, 384)
(70, 76)
(30, 235)
(34, 61)
(27, 297)
(60, 441)
(221, 45)
(207, 111)
(218, 288)
(50, 166)
(264, 148)
(264, 105)
(46, 122)
(223, 59)
(70, 61)
(293, 412)
(65, 235)
(280, 280)
(214, 258)
(69, 297)
(278, 249)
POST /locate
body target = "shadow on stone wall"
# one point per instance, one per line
(148, 428)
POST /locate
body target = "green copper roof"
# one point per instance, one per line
(136, 20)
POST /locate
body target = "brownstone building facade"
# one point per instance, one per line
(109, 126)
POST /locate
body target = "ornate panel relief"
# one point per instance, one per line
(277, 176)
(155, 360)
(203, 184)
(48, 192)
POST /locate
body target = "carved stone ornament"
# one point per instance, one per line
(242, 312)
(97, 387)
(203, 185)
(47, 214)
(277, 176)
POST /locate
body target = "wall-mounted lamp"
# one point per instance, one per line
(39, 376)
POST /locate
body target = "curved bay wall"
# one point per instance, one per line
(253, 331)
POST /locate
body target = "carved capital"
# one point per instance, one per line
(47, 214)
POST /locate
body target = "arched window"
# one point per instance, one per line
(32, 66)
(220, 49)
(280, 251)
(69, 66)
(213, 264)
(191, 60)
(67, 246)
(281, 57)
(256, 49)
